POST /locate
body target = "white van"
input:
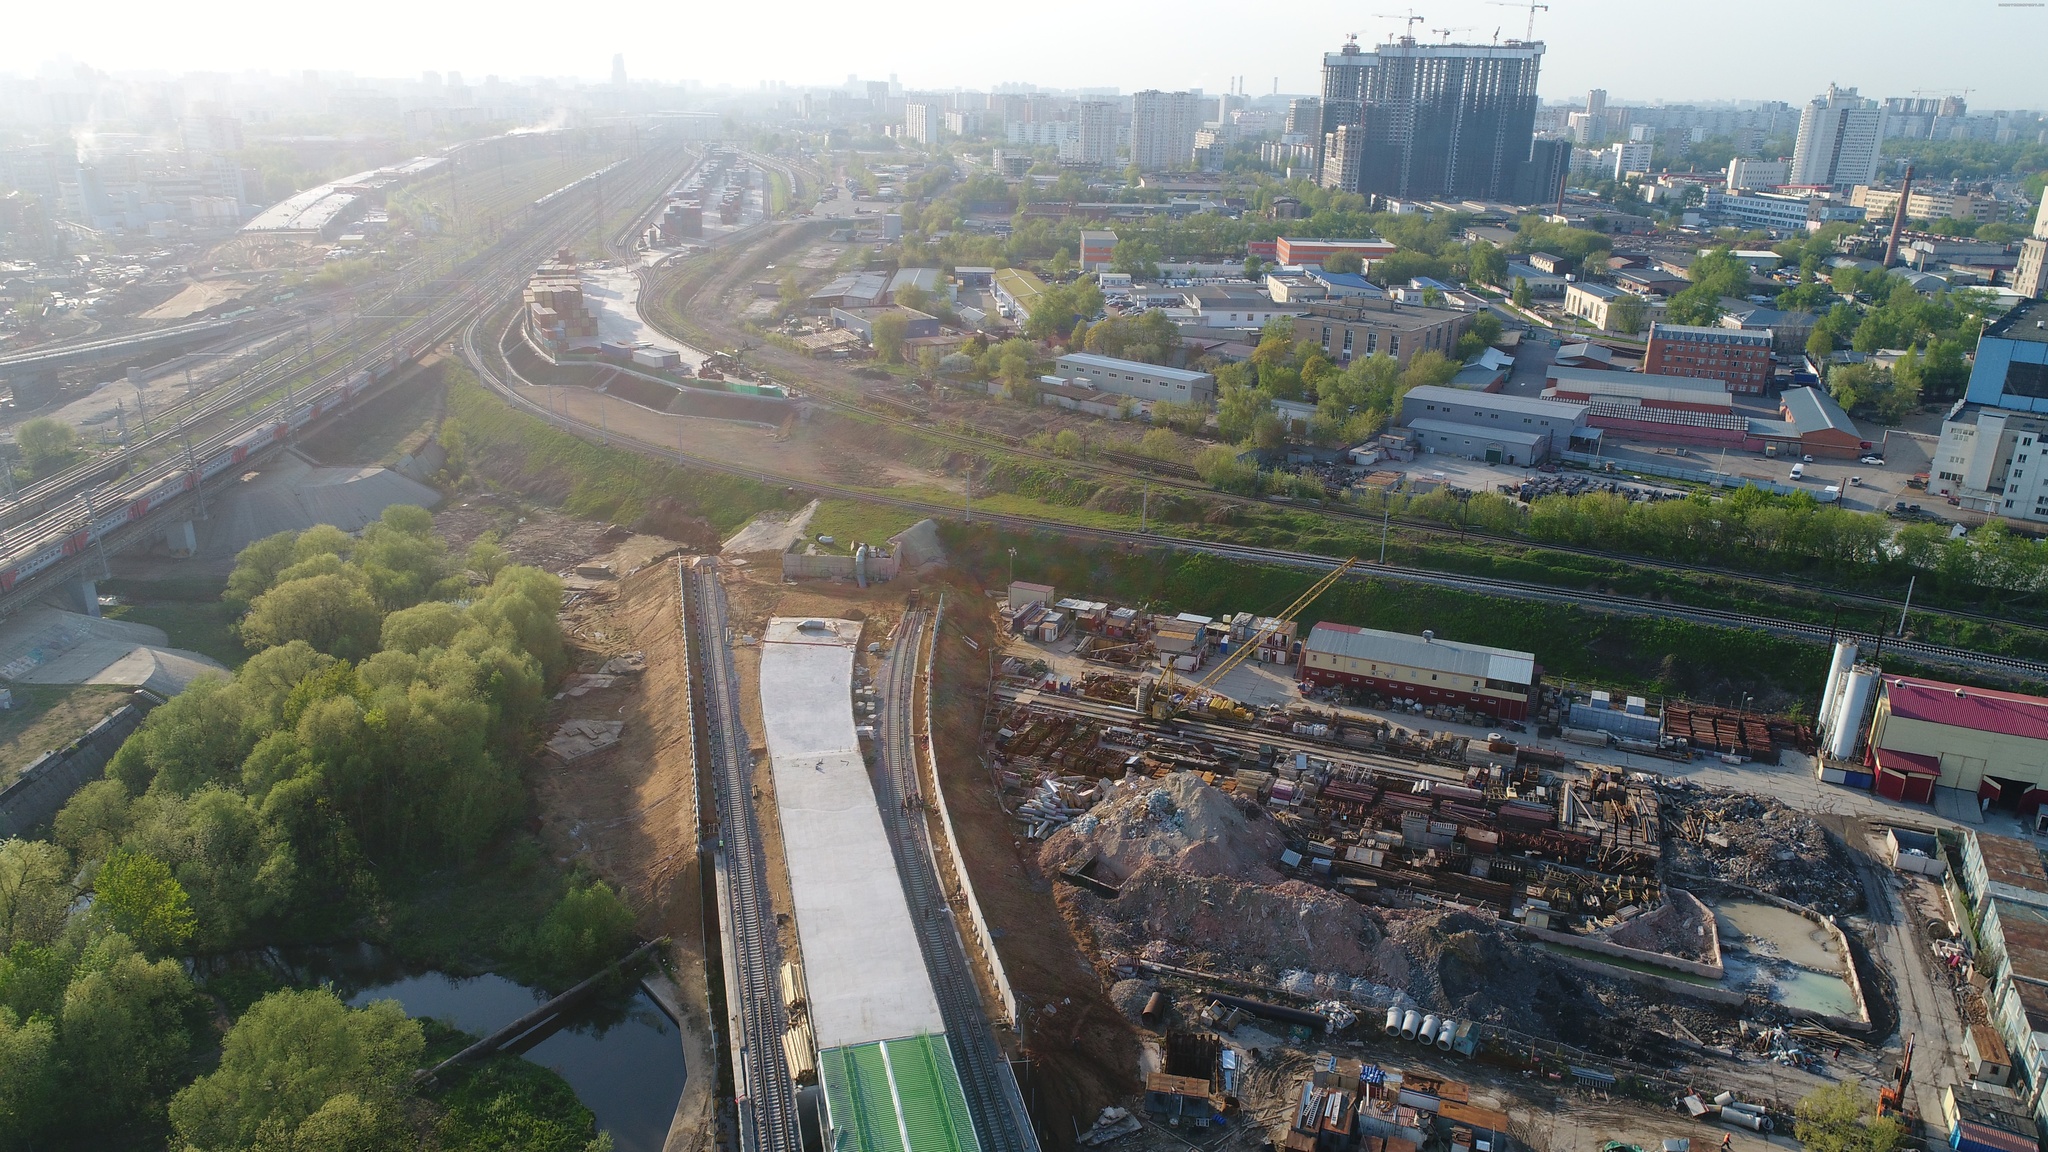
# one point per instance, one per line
(1799, 471)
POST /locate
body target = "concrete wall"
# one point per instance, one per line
(800, 567)
(1712, 971)
(983, 939)
(47, 783)
(1667, 983)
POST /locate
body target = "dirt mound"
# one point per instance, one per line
(1200, 829)
(1759, 843)
(1227, 925)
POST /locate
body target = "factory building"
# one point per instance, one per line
(1496, 681)
(1498, 429)
(1137, 379)
(2005, 888)
(1926, 734)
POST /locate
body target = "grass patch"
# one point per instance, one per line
(848, 521)
(400, 420)
(46, 717)
(205, 627)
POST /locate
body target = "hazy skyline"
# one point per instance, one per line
(1882, 47)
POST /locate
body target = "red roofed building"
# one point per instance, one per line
(1928, 733)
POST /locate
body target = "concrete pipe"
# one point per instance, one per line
(1749, 1120)
(1445, 1033)
(1723, 1099)
(1409, 1023)
(1427, 1034)
(1394, 1020)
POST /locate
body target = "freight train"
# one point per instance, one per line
(32, 555)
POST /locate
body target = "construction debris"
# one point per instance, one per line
(576, 739)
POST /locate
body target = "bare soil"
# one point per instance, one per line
(1082, 1053)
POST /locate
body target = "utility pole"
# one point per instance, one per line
(1386, 521)
(1145, 505)
(1908, 606)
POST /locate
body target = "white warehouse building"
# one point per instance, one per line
(1137, 379)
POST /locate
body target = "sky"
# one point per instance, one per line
(1638, 51)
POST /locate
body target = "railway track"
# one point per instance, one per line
(1168, 476)
(508, 385)
(766, 1097)
(1000, 1121)
(104, 517)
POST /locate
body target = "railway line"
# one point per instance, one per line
(765, 1095)
(1000, 1122)
(508, 385)
(104, 516)
(1169, 476)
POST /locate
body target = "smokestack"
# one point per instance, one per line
(1891, 248)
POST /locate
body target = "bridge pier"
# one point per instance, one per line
(181, 539)
(84, 596)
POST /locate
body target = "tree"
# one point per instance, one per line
(142, 899)
(29, 1075)
(332, 613)
(888, 332)
(294, 1056)
(1135, 257)
(122, 1033)
(1238, 410)
(789, 293)
(1836, 1118)
(928, 361)
(1488, 265)
(914, 298)
(1523, 297)
(1626, 314)
(587, 928)
(1343, 263)
(46, 444)
(1254, 267)
(35, 892)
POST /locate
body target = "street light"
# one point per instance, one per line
(1013, 565)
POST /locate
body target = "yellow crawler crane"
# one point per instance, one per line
(1220, 706)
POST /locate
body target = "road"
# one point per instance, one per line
(766, 1098)
(1000, 1121)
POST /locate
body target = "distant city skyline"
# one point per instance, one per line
(1619, 45)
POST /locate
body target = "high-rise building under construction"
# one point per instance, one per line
(1433, 121)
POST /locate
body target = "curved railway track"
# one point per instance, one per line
(1167, 476)
(507, 384)
(765, 1095)
(991, 1089)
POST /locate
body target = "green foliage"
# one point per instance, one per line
(140, 898)
(1058, 309)
(29, 1077)
(586, 929)
(889, 329)
(301, 1060)
(1343, 263)
(1219, 467)
(35, 892)
(511, 1103)
(1488, 265)
(1627, 314)
(1522, 296)
(123, 1033)
(1151, 337)
(47, 445)
(1837, 1118)
(1239, 410)
(331, 612)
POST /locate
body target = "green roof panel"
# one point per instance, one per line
(896, 1096)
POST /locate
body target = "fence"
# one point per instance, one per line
(1672, 472)
(983, 938)
(48, 783)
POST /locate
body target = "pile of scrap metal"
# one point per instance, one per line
(1114, 1124)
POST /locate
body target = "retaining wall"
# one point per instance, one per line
(1861, 1021)
(1669, 984)
(1711, 968)
(48, 783)
(797, 566)
(983, 938)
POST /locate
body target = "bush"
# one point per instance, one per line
(587, 928)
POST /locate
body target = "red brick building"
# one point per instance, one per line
(1740, 359)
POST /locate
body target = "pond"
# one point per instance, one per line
(1785, 956)
(622, 1054)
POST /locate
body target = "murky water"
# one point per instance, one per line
(1783, 955)
(623, 1057)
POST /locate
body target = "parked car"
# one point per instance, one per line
(1806, 459)
(1873, 459)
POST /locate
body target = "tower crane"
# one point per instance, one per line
(1410, 20)
(1529, 35)
(1163, 707)
(1446, 32)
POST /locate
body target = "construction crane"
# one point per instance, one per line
(1529, 35)
(1411, 20)
(1446, 32)
(1163, 707)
